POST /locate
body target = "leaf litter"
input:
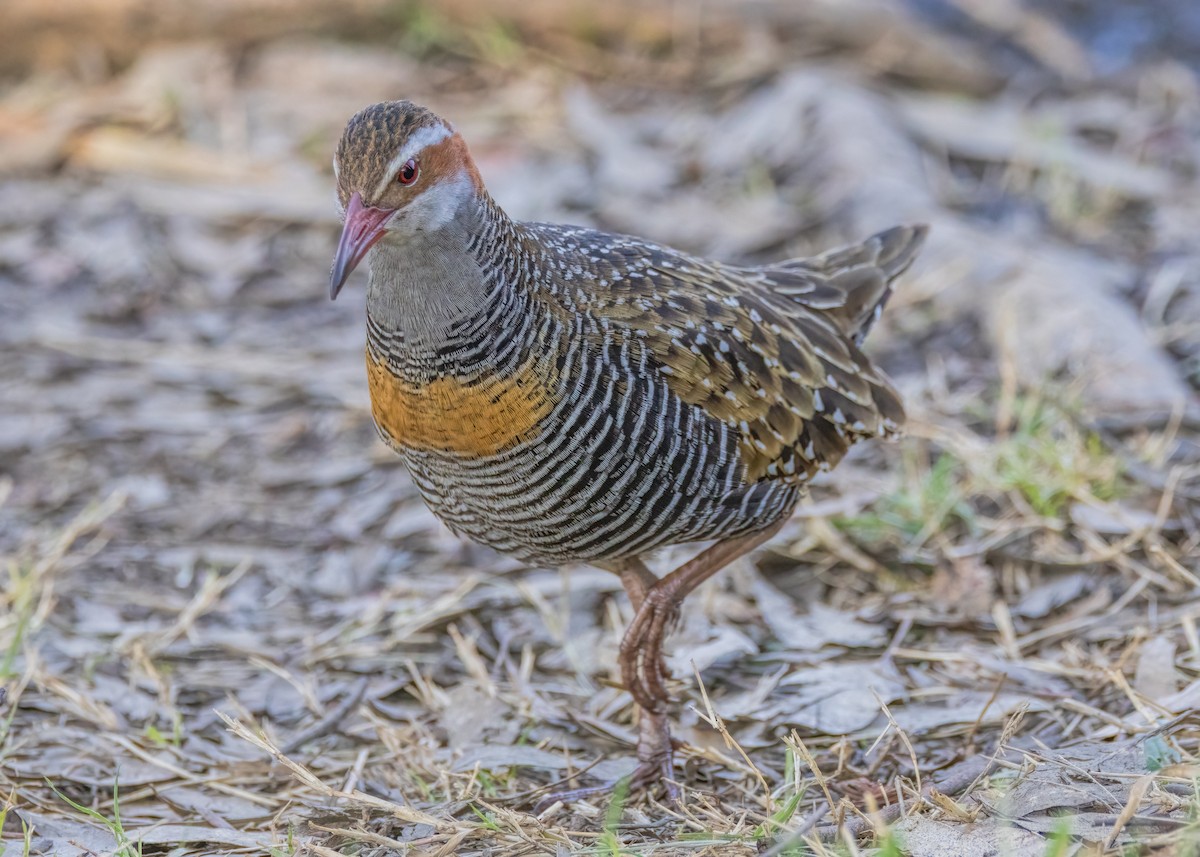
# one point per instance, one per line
(221, 599)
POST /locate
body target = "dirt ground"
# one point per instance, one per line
(229, 625)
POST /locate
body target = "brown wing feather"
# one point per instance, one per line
(772, 351)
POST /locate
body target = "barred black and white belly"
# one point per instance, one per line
(620, 467)
(592, 496)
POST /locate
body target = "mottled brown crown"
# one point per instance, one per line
(372, 138)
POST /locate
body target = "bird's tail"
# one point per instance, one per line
(888, 253)
(862, 275)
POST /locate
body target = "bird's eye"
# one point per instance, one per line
(408, 173)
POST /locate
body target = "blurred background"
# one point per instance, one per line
(227, 623)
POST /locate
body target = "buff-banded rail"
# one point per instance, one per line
(567, 395)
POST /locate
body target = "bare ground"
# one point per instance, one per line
(228, 624)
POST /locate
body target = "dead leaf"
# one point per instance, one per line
(1156, 677)
(835, 699)
(820, 626)
(1136, 793)
(928, 837)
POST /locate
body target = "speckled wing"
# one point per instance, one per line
(772, 351)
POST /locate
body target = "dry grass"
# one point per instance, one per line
(228, 624)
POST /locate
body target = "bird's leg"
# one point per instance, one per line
(635, 577)
(641, 659)
(643, 669)
(655, 753)
(655, 750)
(656, 764)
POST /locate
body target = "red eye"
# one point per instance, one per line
(408, 173)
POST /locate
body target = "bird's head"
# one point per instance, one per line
(401, 170)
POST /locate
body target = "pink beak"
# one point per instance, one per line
(364, 226)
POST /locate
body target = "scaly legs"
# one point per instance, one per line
(643, 671)
(654, 751)
(642, 667)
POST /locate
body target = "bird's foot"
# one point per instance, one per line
(656, 765)
(644, 777)
(643, 669)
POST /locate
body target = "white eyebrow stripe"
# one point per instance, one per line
(422, 139)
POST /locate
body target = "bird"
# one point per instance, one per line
(567, 395)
